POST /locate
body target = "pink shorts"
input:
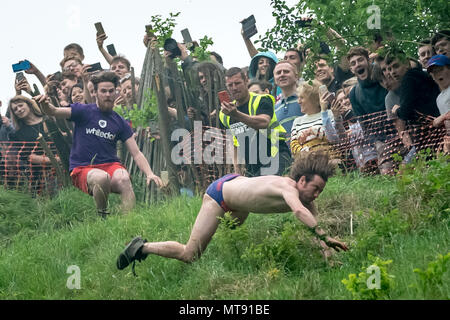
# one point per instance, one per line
(79, 174)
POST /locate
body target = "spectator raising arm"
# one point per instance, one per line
(51, 110)
(100, 40)
(252, 51)
(34, 70)
(23, 85)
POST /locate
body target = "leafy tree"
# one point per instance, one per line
(405, 22)
(201, 52)
(163, 28)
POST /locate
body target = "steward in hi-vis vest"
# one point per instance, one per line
(252, 140)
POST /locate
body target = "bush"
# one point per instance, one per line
(432, 277)
(372, 283)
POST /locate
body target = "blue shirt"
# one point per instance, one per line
(287, 110)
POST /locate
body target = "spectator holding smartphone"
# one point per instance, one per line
(309, 132)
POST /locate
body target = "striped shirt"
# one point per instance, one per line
(309, 131)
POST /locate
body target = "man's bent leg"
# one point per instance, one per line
(239, 216)
(204, 228)
(121, 184)
(99, 185)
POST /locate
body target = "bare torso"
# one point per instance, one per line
(258, 195)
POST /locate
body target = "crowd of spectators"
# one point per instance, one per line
(270, 94)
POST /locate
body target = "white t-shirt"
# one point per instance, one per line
(443, 101)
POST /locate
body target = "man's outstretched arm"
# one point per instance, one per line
(142, 162)
(305, 215)
(291, 196)
(51, 110)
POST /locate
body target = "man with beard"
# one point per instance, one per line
(94, 165)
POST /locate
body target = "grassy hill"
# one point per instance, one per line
(404, 219)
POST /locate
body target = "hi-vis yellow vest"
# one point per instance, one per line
(276, 132)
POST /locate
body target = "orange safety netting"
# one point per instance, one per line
(20, 168)
(366, 143)
(370, 142)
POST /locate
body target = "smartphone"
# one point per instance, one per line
(323, 89)
(332, 97)
(111, 50)
(99, 28)
(148, 29)
(19, 77)
(224, 97)
(249, 27)
(21, 66)
(186, 36)
(95, 67)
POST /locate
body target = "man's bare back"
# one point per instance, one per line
(258, 195)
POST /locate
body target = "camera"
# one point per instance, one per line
(171, 45)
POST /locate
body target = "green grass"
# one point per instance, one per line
(269, 257)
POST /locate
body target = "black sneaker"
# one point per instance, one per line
(103, 214)
(131, 253)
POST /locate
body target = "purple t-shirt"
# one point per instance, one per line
(95, 135)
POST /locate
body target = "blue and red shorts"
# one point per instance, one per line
(215, 190)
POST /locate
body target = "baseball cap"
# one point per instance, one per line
(438, 60)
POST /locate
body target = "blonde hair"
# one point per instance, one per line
(310, 90)
(350, 82)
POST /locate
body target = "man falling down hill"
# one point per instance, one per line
(240, 196)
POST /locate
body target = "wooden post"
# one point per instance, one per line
(164, 121)
(54, 162)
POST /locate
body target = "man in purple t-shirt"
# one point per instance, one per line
(94, 165)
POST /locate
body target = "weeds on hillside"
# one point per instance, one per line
(431, 278)
(373, 282)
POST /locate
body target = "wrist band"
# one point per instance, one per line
(322, 237)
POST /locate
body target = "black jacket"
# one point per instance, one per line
(418, 92)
